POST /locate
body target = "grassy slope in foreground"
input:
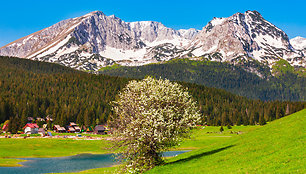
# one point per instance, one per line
(200, 139)
(278, 147)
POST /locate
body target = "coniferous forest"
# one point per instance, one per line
(38, 89)
(286, 85)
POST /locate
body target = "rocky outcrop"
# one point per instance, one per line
(95, 40)
(245, 35)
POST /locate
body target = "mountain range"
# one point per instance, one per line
(96, 40)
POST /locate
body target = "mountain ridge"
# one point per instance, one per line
(95, 40)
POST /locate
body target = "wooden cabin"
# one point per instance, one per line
(72, 124)
(99, 129)
(59, 129)
(77, 129)
(71, 130)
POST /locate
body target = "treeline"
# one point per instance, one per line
(37, 89)
(284, 87)
(220, 107)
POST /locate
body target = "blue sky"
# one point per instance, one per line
(20, 18)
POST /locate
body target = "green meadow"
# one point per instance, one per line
(47, 147)
(278, 147)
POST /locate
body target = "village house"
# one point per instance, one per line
(5, 128)
(71, 130)
(99, 129)
(31, 128)
(72, 124)
(59, 129)
(76, 128)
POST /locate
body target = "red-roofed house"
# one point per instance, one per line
(5, 127)
(31, 128)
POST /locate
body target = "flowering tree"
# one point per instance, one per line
(150, 117)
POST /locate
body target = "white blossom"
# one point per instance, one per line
(150, 117)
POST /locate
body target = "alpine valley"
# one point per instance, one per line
(234, 100)
(95, 40)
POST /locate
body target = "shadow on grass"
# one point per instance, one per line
(201, 155)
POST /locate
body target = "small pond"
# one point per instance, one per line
(68, 164)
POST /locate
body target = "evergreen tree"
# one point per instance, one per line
(262, 120)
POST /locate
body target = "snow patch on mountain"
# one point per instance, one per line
(298, 43)
(95, 40)
(217, 21)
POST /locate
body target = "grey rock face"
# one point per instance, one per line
(27, 45)
(150, 31)
(246, 35)
(100, 30)
(95, 40)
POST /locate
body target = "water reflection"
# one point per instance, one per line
(68, 164)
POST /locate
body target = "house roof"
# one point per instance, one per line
(57, 126)
(77, 127)
(72, 124)
(70, 129)
(31, 125)
(100, 128)
(4, 126)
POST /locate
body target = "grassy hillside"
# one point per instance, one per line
(287, 85)
(278, 147)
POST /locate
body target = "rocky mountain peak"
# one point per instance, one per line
(244, 35)
(95, 40)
